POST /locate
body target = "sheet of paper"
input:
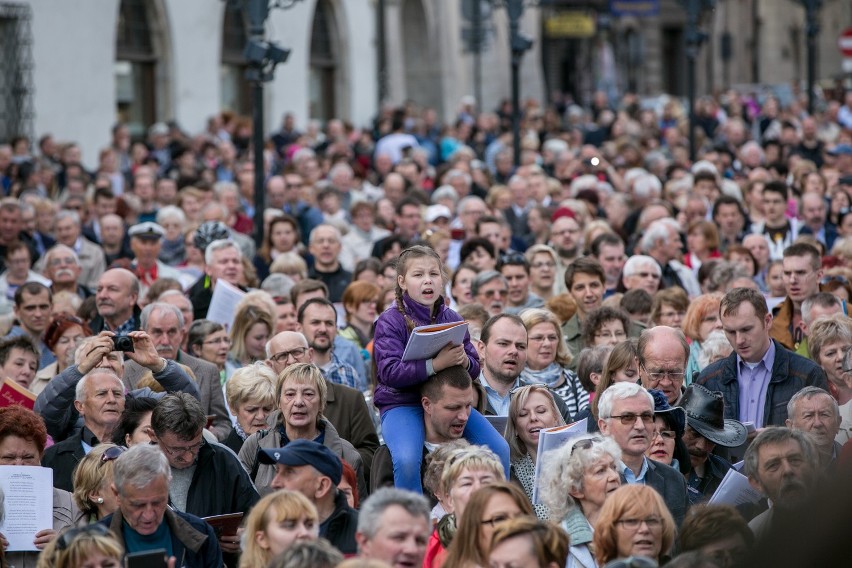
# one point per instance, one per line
(27, 504)
(735, 490)
(224, 302)
(425, 342)
(552, 439)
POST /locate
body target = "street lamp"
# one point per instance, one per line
(262, 57)
(520, 43)
(812, 29)
(694, 38)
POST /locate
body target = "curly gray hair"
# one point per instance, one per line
(565, 467)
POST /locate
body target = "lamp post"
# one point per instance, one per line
(694, 37)
(262, 57)
(520, 44)
(812, 29)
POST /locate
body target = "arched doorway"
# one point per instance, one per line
(142, 84)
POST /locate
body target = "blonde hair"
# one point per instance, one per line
(253, 382)
(289, 263)
(90, 475)
(79, 550)
(244, 318)
(306, 374)
(517, 449)
(473, 457)
(275, 507)
(534, 316)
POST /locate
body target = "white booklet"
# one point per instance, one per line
(27, 504)
(223, 303)
(735, 490)
(551, 439)
(427, 341)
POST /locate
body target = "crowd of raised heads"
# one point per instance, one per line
(221, 393)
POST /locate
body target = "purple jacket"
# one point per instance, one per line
(399, 381)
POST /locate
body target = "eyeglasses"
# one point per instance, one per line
(829, 279)
(585, 444)
(653, 275)
(60, 261)
(284, 356)
(193, 449)
(218, 341)
(499, 518)
(543, 265)
(610, 335)
(513, 258)
(492, 293)
(664, 434)
(69, 536)
(659, 376)
(630, 418)
(112, 453)
(652, 523)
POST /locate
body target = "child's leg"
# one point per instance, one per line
(479, 431)
(404, 433)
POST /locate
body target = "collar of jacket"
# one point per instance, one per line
(180, 529)
(422, 315)
(780, 366)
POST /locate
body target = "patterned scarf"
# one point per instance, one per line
(550, 375)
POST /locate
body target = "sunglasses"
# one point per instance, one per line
(112, 453)
(70, 536)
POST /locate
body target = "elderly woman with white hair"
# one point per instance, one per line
(250, 393)
(641, 271)
(715, 347)
(173, 220)
(576, 480)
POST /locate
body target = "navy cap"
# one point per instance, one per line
(306, 452)
(662, 407)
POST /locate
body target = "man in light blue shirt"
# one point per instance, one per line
(503, 350)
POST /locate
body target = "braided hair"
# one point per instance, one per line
(412, 253)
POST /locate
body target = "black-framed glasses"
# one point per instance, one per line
(174, 452)
(284, 356)
(112, 453)
(513, 258)
(629, 418)
(69, 536)
(585, 444)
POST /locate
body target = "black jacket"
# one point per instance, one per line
(701, 489)
(219, 485)
(62, 458)
(194, 542)
(671, 485)
(339, 529)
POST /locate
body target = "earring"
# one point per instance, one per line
(99, 500)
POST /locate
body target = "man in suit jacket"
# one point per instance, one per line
(627, 416)
(760, 377)
(100, 416)
(164, 323)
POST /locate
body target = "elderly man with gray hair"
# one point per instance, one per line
(662, 241)
(145, 522)
(55, 404)
(394, 527)
(641, 271)
(164, 324)
(814, 410)
(491, 289)
(99, 399)
(626, 414)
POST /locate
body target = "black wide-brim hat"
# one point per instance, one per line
(705, 413)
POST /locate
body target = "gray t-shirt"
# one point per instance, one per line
(179, 487)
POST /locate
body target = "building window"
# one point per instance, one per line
(136, 67)
(324, 62)
(16, 72)
(232, 73)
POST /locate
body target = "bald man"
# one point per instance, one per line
(115, 300)
(663, 354)
(345, 407)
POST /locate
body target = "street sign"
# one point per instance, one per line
(845, 43)
(573, 24)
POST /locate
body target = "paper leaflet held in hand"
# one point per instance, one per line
(550, 440)
(427, 341)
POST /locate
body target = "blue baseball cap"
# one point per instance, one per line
(841, 150)
(305, 452)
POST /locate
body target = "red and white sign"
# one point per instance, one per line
(845, 43)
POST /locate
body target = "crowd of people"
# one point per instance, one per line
(691, 316)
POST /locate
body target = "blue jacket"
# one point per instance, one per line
(790, 374)
(398, 381)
